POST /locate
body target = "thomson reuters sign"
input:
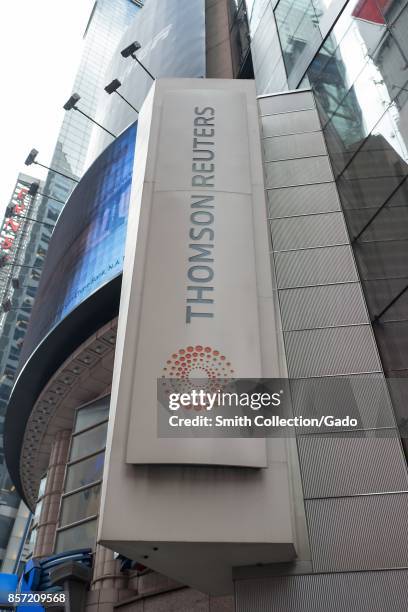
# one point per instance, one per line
(191, 298)
(196, 311)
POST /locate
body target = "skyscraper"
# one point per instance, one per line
(29, 240)
(107, 22)
(21, 262)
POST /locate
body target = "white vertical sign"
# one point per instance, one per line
(193, 268)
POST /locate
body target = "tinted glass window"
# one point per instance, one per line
(85, 472)
(80, 505)
(81, 536)
(92, 414)
(89, 442)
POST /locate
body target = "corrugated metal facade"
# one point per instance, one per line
(355, 484)
(352, 592)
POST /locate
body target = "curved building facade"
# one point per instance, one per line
(57, 445)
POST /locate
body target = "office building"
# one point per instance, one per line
(291, 181)
(20, 269)
(106, 24)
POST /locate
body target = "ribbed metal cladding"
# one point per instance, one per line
(364, 397)
(303, 200)
(298, 171)
(336, 466)
(290, 123)
(347, 592)
(315, 267)
(353, 482)
(357, 533)
(293, 146)
(330, 351)
(309, 231)
(286, 103)
(324, 306)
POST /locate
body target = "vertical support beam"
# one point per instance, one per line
(47, 525)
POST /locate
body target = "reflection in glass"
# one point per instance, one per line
(298, 24)
(43, 483)
(360, 79)
(81, 536)
(88, 442)
(92, 414)
(85, 472)
(37, 511)
(80, 505)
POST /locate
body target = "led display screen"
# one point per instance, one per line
(87, 246)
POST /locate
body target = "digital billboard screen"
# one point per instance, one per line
(87, 246)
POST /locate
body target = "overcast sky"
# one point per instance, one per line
(40, 47)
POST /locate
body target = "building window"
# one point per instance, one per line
(80, 536)
(33, 529)
(84, 472)
(240, 40)
(78, 506)
(83, 477)
(88, 442)
(92, 415)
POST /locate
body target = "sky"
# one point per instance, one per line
(40, 48)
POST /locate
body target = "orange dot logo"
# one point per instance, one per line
(199, 366)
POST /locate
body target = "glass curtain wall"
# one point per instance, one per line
(354, 56)
(240, 40)
(83, 478)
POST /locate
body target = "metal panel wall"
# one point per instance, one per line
(309, 231)
(365, 397)
(271, 105)
(351, 592)
(322, 306)
(358, 466)
(294, 146)
(303, 199)
(323, 266)
(357, 533)
(348, 477)
(295, 122)
(331, 351)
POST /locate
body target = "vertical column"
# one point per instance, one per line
(109, 586)
(217, 38)
(47, 525)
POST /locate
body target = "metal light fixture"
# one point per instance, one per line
(31, 159)
(71, 104)
(130, 51)
(33, 189)
(113, 88)
(6, 305)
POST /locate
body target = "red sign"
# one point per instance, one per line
(371, 10)
(10, 226)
